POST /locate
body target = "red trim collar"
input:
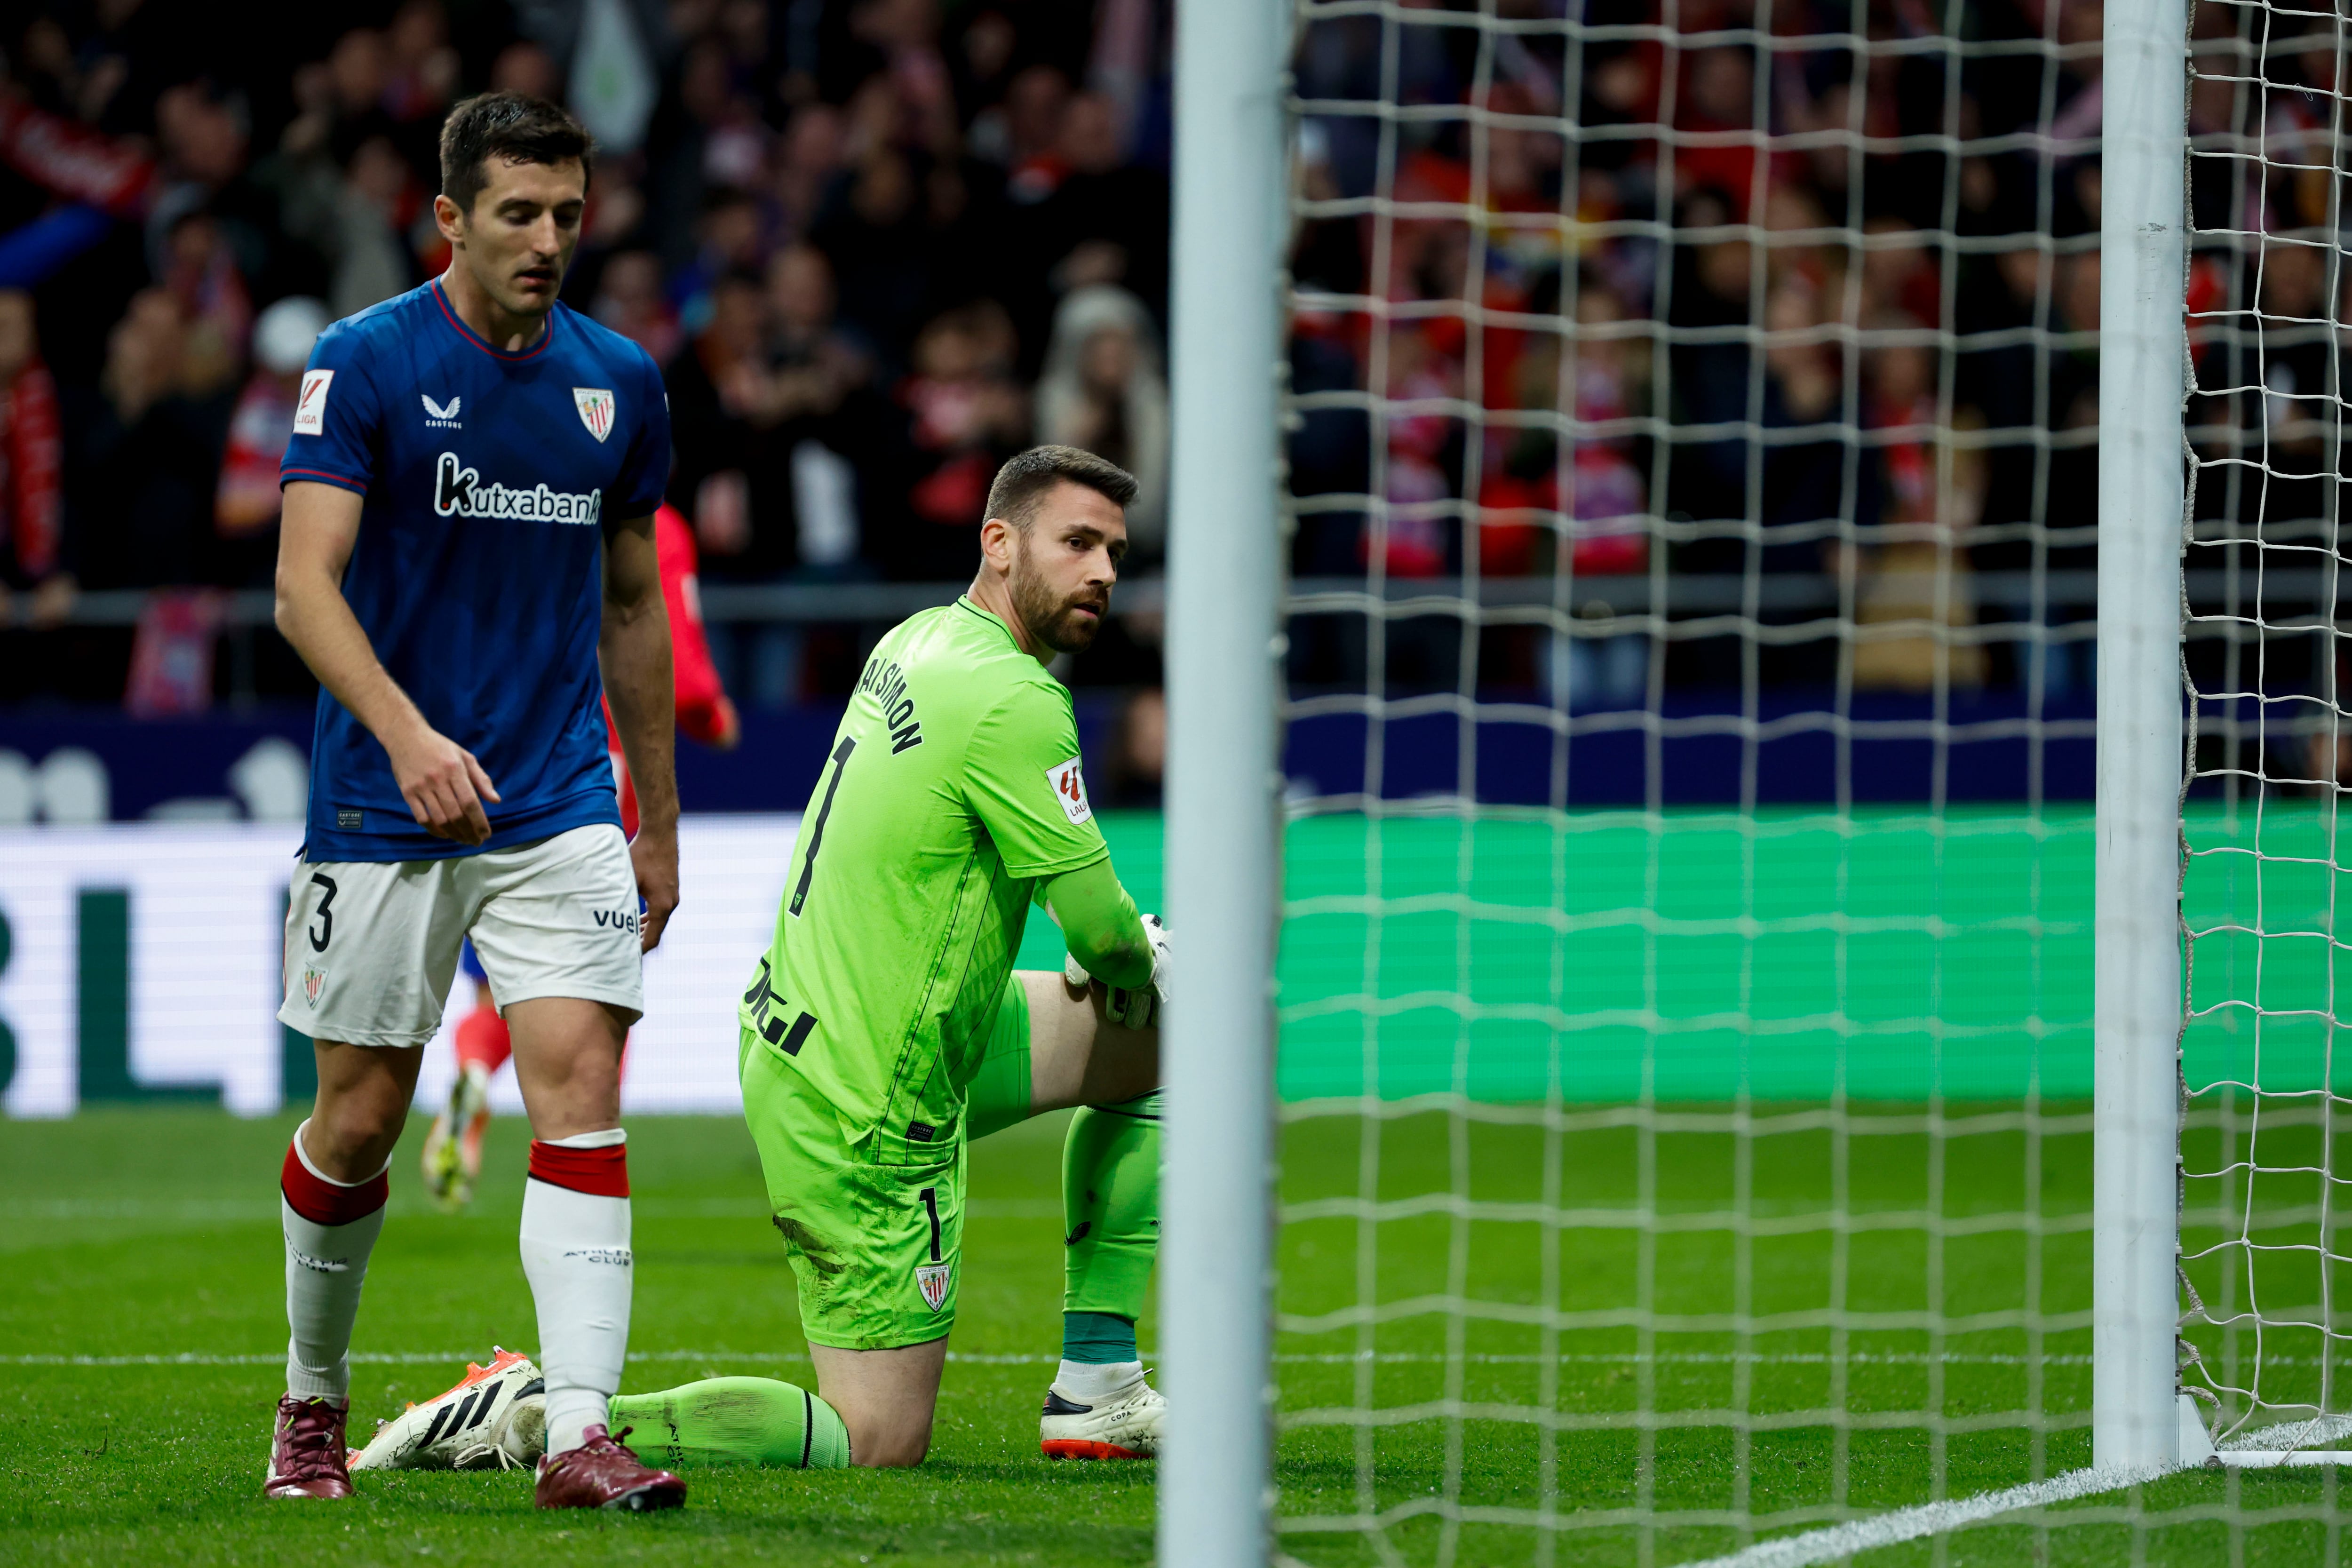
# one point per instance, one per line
(514, 356)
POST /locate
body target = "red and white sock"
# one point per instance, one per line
(576, 1253)
(331, 1227)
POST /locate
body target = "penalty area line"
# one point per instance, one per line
(1931, 1518)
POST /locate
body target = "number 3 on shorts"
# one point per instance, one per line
(324, 932)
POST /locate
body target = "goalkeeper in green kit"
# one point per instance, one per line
(885, 1027)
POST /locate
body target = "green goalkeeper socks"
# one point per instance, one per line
(734, 1421)
(1097, 1339)
(1110, 1219)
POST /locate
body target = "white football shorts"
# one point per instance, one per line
(371, 946)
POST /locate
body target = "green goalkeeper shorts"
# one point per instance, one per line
(874, 1246)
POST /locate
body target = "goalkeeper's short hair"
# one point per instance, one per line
(1025, 480)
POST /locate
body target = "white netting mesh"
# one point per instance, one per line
(2264, 1326)
(1686, 976)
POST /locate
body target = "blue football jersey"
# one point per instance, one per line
(490, 479)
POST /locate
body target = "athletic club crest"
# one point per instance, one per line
(932, 1278)
(314, 983)
(595, 405)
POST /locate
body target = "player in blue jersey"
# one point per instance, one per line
(468, 547)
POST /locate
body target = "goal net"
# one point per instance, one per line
(2263, 1334)
(1692, 429)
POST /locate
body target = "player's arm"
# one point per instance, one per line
(634, 648)
(1101, 925)
(1128, 954)
(444, 784)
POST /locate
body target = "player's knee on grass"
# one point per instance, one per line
(885, 1433)
(889, 1440)
(886, 1399)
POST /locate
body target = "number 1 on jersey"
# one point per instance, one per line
(816, 829)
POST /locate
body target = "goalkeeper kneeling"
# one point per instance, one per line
(884, 1028)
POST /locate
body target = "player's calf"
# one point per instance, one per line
(329, 1229)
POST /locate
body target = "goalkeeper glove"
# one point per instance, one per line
(1138, 1008)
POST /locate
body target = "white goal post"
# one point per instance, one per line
(2141, 484)
(1224, 788)
(1837, 1331)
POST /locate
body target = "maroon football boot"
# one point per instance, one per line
(307, 1458)
(600, 1473)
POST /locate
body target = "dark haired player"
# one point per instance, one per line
(467, 537)
(886, 1028)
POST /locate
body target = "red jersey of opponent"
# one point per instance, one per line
(703, 712)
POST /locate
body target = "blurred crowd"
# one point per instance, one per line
(1816, 320)
(876, 246)
(1858, 365)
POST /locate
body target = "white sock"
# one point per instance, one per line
(576, 1253)
(1095, 1382)
(326, 1264)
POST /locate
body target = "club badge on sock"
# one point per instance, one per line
(931, 1279)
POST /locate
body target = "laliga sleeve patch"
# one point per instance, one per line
(310, 408)
(1069, 781)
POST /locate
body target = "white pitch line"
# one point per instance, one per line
(1929, 1518)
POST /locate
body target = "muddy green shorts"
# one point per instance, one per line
(874, 1246)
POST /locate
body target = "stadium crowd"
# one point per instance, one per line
(1922, 408)
(1788, 327)
(877, 247)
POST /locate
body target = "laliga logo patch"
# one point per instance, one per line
(314, 983)
(595, 405)
(1069, 781)
(310, 407)
(931, 1279)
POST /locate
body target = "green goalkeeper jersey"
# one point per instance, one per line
(953, 787)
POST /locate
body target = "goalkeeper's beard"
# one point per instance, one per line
(1050, 619)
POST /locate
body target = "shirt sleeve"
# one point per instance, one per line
(336, 416)
(1023, 779)
(644, 475)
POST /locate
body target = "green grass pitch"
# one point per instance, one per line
(1591, 957)
(151, 1232)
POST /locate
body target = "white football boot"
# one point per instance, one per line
(495, 1418)
(1122, 1426)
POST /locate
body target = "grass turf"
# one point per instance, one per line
(148, 1232)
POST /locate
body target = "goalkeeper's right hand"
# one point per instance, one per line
(1138, 1008)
